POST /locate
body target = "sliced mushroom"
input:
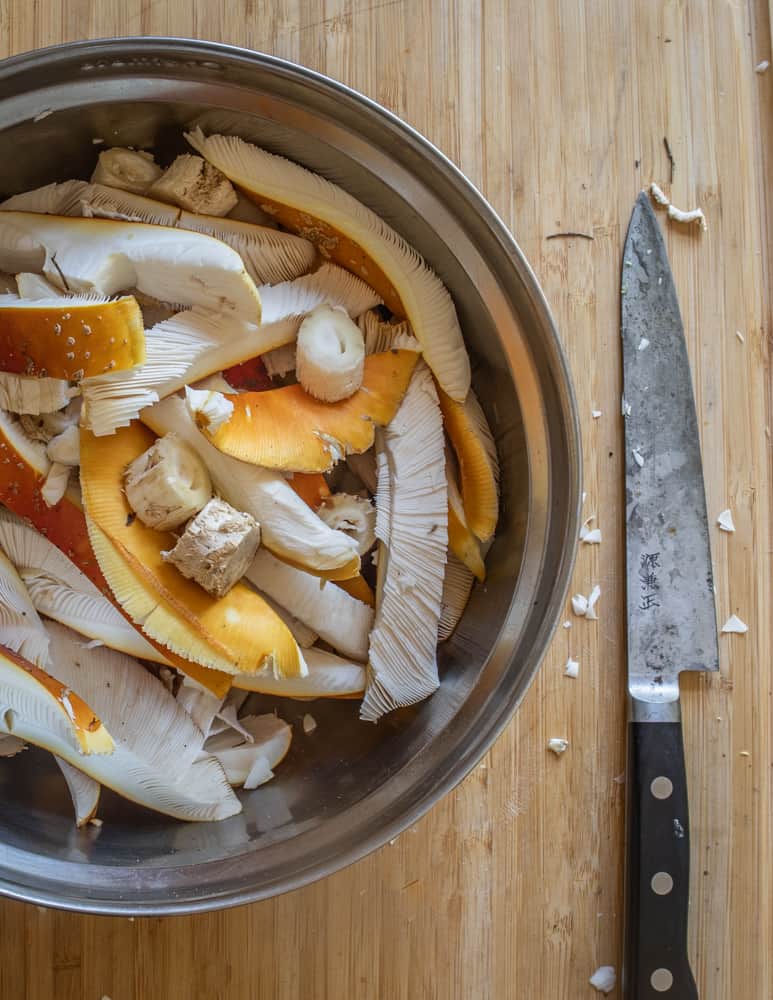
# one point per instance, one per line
(328, 285)
(180, 350)
(156, 758)
(84, 792)
(99, 201)
(461, 541)
(334, 615)
(382, 336)
(40, 709)
(55, 485)
(167, 484)
(21, 479)
(106, 257)
(329, 676)
(269, 256)
(21, 629)
(209, 407)
(35, 286)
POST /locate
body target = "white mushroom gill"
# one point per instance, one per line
(413, 527)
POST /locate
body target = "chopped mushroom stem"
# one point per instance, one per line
(209, 408)
(195, 185)
(354, 516)
(216, 547)
(127, 169)
(330, 354)
(167, 484)
(289, 528)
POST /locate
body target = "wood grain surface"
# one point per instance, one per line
(511, 887)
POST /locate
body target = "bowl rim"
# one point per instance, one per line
(173, 47)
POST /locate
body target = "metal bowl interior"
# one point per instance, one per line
(349, 786)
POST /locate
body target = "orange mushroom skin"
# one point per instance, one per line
(71, 341)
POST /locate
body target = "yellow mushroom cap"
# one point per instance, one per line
(240, 631)
(474, 446)
(70, 338)
(288, 429)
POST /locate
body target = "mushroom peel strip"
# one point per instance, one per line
(240, 629)
(461, 541)
(27, 394)
(84, 791)
(476, 452)
(349, 232)
(269, 737)
(156, 757)
(105, 257)
(182, 349)
(23, 467)
(40, 709)
(329, 676)
(52, 199)
(287, 429)
(457, 585)
(411, 523)
(59, 590)
(269, 256)
(334, 615)
(70, 338)
(328, 285)
(289, 528)
(100, 201)
(21, 629)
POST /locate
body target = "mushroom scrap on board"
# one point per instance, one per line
(240, 459)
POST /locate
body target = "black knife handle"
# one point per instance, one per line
(658, 866)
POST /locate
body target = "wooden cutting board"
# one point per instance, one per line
(511, 887)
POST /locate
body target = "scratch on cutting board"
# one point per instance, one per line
(517, 803)
(341, 19)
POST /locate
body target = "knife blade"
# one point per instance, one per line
(670, 609)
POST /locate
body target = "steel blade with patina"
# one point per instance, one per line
(671, 616)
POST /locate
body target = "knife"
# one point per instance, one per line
(670, 607)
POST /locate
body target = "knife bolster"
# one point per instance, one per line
(654, 711)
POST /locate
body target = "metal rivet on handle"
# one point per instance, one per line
(662, 883)
(661, 980)
(661, 787)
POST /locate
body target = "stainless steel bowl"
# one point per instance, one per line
(353, 786)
